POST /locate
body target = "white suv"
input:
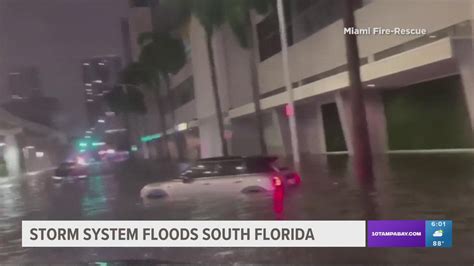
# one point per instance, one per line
(225, 175)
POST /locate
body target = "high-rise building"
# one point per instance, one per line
(126, 40)
(23, 82)
(26, 99)
(100, 74)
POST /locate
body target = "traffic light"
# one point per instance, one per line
(97, 144)
(88, 144)
(83, 144)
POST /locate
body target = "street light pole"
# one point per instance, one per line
(286, 75)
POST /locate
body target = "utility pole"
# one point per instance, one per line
(290, 107)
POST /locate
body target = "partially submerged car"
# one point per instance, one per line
(225, 175)
(70, 170)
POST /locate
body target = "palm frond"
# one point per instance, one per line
(164, 53)
(144, 38)
(124, 102)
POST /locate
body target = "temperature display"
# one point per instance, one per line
(439, 233)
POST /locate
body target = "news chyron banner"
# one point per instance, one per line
(193, 233)
(375, 234)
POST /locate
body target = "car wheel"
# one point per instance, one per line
(156, 194)
(253, 189)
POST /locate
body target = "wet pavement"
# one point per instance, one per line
(405, 187)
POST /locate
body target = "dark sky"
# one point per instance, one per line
(56, 35)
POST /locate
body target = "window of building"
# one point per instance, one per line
(310, 16)
(303, 18)
(268, 33)
(183, 93)
(334, 136)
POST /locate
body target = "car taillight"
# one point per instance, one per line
(276, 181)
(297, 178)
(81, 161)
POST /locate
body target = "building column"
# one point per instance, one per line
(280, 120)
(275, 133)
(310, 128)
(376, 121)
(320, 137)
(343, 103)
(12, 155)
(209, 137)
(463, 51)
(375, 115)
(245, 136)
(193, 143)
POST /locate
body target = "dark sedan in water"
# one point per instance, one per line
(70, 170)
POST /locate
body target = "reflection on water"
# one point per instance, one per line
(405, 187)
(94, 201)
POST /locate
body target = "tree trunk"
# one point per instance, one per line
(215, 92)
(362, 158)
(126, 121)
(131, 135)
(171, 102)
(161, 113)
(253, 60)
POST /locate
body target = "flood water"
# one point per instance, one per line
(421, 187)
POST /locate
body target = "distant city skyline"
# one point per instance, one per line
(55, 36)
(100, 74)
(23, 81)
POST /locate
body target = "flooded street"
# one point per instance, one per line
(415, 187)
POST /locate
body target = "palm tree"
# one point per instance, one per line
(138, 74)
(210, 15)
(162, 51)
(124, 102)
(165, 54)
(360, 135)
(237, 15)
(214, 13)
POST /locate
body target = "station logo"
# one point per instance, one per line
(412, 233)
(396, 233)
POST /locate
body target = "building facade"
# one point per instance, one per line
(418, 88)
(26, 146)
